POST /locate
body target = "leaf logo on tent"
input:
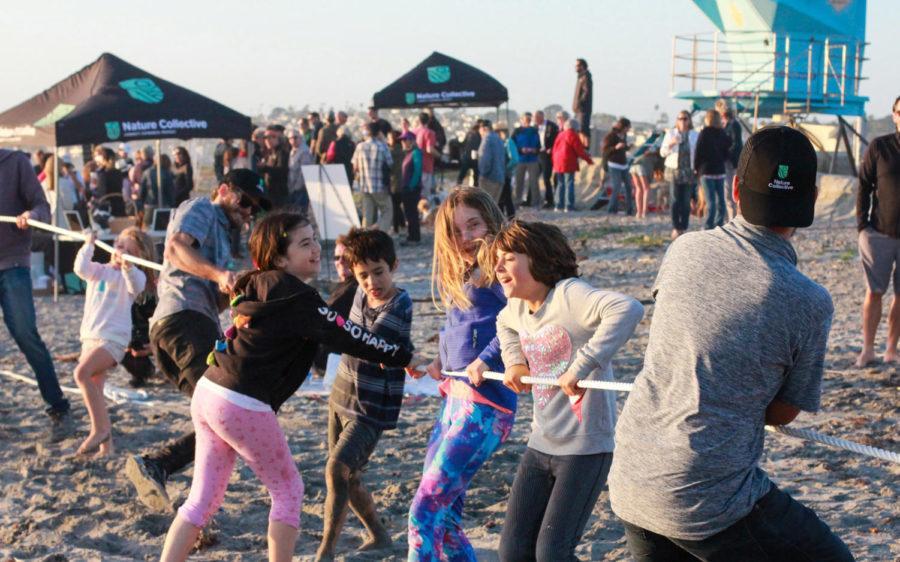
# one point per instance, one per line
(438, 74)
(410, 98)
(58, 113)
(113, 130)
(142, 89)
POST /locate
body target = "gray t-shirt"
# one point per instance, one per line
(207, 224)
(736, 326)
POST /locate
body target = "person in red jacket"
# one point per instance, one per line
(567, 149)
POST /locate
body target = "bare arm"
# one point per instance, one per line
(182, 253)
(781, 413)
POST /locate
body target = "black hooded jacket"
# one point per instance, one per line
(269, 358)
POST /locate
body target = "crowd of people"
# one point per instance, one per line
(684, 480)
(115, 183)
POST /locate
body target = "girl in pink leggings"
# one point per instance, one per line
(279, 323)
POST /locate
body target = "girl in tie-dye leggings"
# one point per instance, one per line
(477, 414)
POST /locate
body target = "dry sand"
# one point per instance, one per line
(53, 508)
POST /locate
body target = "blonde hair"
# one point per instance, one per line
(449, 271)
(722, 105)
(713, 119)
(146, 250)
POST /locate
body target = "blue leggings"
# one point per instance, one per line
(465, 435)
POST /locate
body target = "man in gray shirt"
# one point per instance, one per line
(737, 341)
(197, 278)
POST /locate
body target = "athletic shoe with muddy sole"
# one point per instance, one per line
(149, 482)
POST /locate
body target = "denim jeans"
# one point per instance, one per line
(621, 180)
(551, 499)
(714, 191)
(681, 204)
(17, 303)
(777, 528)
(565, 190)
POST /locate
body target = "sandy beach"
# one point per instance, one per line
(54, 508)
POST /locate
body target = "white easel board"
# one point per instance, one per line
(330, 199)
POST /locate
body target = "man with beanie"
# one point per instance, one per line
(197, 279)
(737, 341)
(21, 196)
(878, 221)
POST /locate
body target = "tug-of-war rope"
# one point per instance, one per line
(82, 237)
(122, 395)
(798, 432)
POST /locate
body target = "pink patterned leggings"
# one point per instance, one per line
(225, 430)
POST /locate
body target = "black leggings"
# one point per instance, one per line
(551, 499)
(410, 200)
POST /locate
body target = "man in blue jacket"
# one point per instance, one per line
(528, 142)
(491, 161)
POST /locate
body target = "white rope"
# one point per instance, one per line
(549, 381)
(798, 432)
(81, 237)
(803, 433)
(113, 393)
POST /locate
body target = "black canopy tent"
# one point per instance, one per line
(112, 100)
(442, 81)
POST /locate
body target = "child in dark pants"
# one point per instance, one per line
(137, 355)
(556, 325)
(366, 398)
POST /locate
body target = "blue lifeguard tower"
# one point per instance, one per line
(768, 57)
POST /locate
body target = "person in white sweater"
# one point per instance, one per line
(558, 326)
(106, 325)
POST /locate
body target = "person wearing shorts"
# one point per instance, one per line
(878, 222)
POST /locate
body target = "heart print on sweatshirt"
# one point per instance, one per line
(548, 351)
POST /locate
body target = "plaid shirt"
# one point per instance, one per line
(369, 160)
(364, 390)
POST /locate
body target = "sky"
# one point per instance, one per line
(253, 56)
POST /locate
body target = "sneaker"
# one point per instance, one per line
(149, 481)
(548, 206)
(61, 426)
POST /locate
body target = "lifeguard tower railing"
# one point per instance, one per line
(768, 73)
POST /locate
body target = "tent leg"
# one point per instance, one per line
(55, 214)
(159, 189)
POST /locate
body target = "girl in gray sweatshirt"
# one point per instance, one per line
(556, 325)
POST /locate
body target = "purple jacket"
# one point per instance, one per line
(20, 191)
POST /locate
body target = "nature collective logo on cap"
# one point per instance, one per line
(142, 89)
(438, 74)
(782, 171)
(113, 130)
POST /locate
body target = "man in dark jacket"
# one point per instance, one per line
(274, 167)
(583, 103)
(878, 222)
(547, 131)
(468, 158)
(21, 196)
